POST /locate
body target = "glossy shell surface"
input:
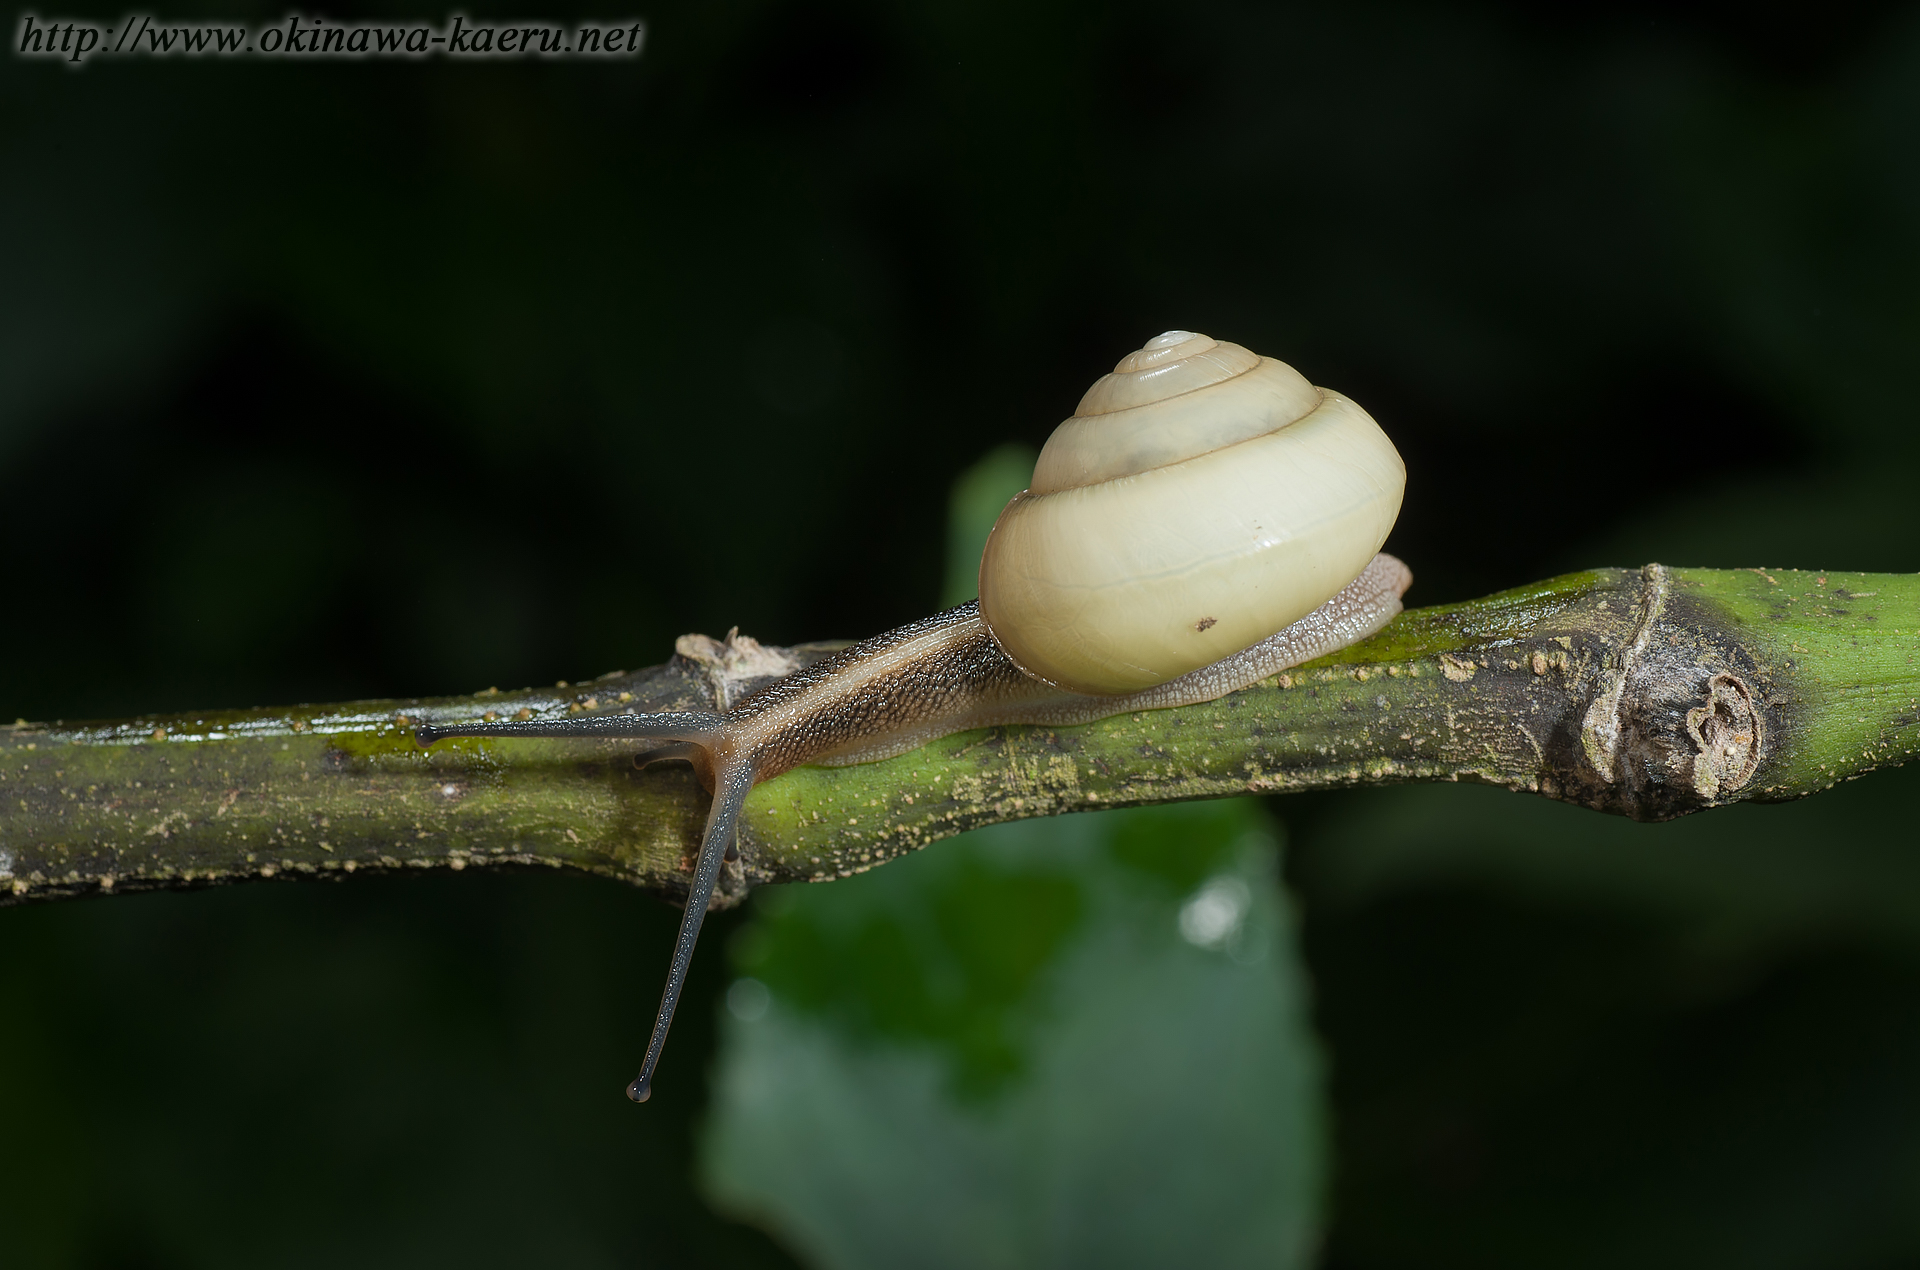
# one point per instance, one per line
(1200, 499)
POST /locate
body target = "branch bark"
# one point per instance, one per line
(1648, 693)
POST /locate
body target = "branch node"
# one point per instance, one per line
(1728, 735)
(1600, 730)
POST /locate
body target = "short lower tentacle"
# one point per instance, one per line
(686, 750)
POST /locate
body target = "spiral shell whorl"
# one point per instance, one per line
(1175, 399)
(1200, 499)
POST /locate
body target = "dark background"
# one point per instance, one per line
(329, 380)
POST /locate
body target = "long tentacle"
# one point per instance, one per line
(734, 779)
(685, 725)
(691, 734)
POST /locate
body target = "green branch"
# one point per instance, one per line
(1650, 693)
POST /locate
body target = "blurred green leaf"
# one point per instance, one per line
(946, 956)
(1173, 845)
(1166, 1105)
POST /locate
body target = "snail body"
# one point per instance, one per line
(1206, 519)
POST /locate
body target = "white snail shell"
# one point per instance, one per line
(1201, 498)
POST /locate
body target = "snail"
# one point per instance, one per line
(1206, 518)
